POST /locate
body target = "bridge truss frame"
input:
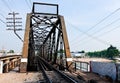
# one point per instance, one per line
(45, 36)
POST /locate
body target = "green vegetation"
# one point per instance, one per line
(110, 52)
(61, 51)
(81, 51)
(11, 51)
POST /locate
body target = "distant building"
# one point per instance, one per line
(78, 55)
(3, 53)
(8, 54)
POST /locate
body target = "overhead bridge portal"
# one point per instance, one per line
(46, 37)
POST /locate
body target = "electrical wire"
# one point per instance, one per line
(110, 30)
(96, 38)
(85, 34)
(2, 15)
(99, 21)
(103, 34)
(12, 3)
(93, 37)
(3, 21)
(6, 5)
(107, 26)
(103, 19)
(102, 28)
(28, 4)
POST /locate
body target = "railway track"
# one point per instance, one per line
(53, 75)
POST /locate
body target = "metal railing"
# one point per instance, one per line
(7, 63)
(83, 66)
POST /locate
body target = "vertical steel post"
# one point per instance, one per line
(66, 44)
(24, 60)
(75, 65)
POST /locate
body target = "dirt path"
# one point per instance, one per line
(88, 76)
(20, 77)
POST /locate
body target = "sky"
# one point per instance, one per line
(92, 25)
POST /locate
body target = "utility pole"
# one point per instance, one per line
(14, 22)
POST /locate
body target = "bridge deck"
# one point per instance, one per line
(34, 77)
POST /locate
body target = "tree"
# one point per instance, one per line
(81, 51)
(11, 51)
(103, 53)
(112, 52)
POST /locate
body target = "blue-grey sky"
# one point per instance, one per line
(80, 18)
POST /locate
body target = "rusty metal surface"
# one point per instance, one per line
(45, 5)
(9, 62)
(26, 37)
(10, 57)
(46, 36)
(23, 65)
(66, 43)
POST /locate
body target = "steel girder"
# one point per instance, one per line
(47, 38)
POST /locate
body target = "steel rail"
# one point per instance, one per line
(43, 71)
(68, 78)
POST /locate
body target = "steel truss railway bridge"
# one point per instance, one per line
(46, 48)
(46, 37)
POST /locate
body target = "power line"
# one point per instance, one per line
(103, 34)
(93, 37)
(3, 21)
(28, 4)
(3, 11)
(89, 35)
(101, 29)
(101, 22)
(110, 30)
(103, 19)
(6, 5)
(12, 3)
(2, 15)
(14, 22)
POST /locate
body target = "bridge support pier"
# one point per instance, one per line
(23, 65)
(8, 63)
(1, 67)
(6, 66)
(12, 64)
